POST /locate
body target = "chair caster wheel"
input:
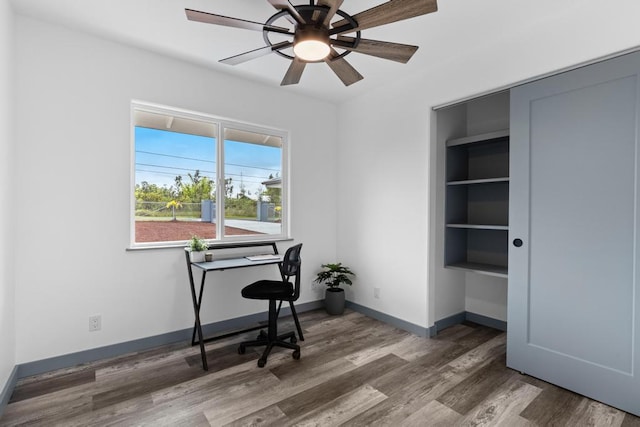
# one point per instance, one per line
(294, 340)
(296, 354)
(261, 363)
(242, 350)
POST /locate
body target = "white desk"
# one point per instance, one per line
(219, 265)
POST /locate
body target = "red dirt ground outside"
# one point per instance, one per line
(169, 231)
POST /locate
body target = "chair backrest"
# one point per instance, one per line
(291, 265)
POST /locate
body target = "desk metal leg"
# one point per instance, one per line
(196, 311)
(193, 335)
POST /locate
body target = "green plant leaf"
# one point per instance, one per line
(197, 244)
(334, 274)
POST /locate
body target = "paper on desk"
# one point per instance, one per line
(264, 257)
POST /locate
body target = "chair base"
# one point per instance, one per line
(279, 341)
(271, 338)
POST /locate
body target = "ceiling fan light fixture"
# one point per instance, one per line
(311, 44)
(311, 50)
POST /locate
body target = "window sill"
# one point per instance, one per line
(212, 244)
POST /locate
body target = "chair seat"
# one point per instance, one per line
(268, 289)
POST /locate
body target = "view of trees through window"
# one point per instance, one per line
(177, 192)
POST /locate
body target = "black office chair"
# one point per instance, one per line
(277, 290)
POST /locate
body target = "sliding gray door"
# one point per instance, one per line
(574, 298)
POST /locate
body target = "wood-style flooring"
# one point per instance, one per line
(354, 370)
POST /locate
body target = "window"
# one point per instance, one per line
(194, 174)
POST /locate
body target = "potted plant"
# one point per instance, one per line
(197, 248)
(334, 275)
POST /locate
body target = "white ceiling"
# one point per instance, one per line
(458, 27)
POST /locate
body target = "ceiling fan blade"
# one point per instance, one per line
(333, 6)
(210, 18)
(256, 53)
(386, 13)
(294, 72)
(343, 69)
(393, 51)
(286, 4)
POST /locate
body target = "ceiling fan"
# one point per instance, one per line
(321, 32)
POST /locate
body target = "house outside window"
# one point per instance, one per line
(198, 175)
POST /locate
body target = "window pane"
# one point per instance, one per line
(175, 176)
(253, 183)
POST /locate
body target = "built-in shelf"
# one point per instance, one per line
(486, 269)
(479, 226)
(479, 181)
(477, 203)
(484, 137)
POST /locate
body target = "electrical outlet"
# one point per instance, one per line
(376, 292)
(95, 323)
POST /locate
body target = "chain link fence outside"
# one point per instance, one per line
(159, 210)
(246, 209)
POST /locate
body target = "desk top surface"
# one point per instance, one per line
(228, 263)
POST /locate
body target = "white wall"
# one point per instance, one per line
(382, 225)
(384, 135)
(7, 288)
(72, 175)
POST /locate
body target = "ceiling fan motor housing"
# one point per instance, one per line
(307, 11)
(311, 33)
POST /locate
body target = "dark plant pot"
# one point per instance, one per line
(334, 300)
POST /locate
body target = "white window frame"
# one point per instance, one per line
(222, 124)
